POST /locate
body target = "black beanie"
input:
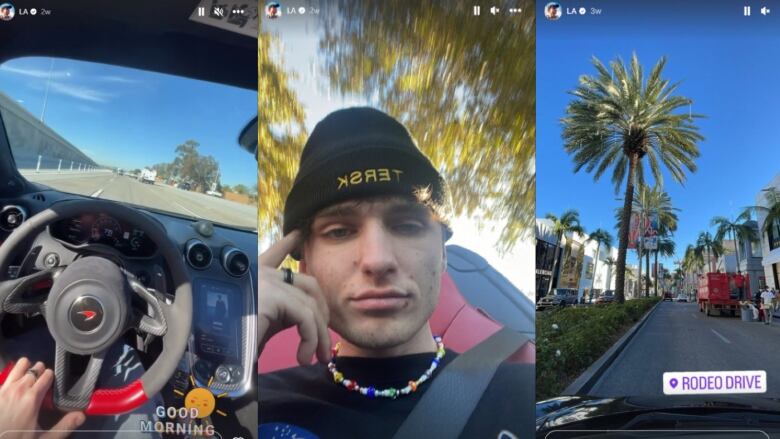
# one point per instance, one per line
(357, 153)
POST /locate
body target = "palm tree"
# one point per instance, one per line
(569, 222)
(739, 230)
(692, 261)
(599, 236)
(652, 203)
(706, 243)
(621, 120)
(665, 248)
(678, 278)
(610, 262)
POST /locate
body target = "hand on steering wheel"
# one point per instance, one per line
(89, 307)
(21, 396)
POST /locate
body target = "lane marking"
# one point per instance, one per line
(695, 316)
(165, 199)
(191, 212)
(97, 193)
(725, 340)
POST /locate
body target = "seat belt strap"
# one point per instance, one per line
(447, 405)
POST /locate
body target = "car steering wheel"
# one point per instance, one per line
(88, 308)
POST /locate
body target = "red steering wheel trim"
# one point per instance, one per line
(103, 401)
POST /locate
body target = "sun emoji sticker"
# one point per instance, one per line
(202, 399)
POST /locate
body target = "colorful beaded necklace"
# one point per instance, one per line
(391, 392)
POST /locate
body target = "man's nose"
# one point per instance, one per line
(377, 255)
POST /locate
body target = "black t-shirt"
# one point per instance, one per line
(304, 402)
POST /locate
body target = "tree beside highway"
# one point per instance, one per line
(190, 166)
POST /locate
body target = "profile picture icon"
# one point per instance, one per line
(273, 10)
(552, 11)
(7, 11)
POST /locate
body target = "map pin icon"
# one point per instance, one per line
(673, 382)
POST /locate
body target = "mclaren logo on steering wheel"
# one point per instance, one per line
(86, 313)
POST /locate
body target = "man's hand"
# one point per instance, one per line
(301, 304)
(21, 397)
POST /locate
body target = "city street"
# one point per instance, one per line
(101, 184)
(677, 337)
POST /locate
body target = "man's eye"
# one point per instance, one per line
(408, 227)
(337, 233)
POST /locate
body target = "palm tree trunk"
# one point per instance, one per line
(555, 265)
(595, 266)
(624, 226)
(639, 277)
(736, 249)
(647, 284)
(656, 273)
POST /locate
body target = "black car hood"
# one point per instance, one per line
(558, 412)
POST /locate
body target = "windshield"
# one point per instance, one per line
(158, 141)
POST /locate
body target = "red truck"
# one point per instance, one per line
(722, 292)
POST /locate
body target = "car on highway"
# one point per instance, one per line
(214, 194)
(184, 185)
(148, 176)
(559, 298)
(141, 298)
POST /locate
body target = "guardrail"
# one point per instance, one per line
(54, 164)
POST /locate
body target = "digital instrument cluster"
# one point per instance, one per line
(104, 229)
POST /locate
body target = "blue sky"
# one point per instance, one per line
(130, 118)
(728, 65)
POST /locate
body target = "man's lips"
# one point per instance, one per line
(380, 300)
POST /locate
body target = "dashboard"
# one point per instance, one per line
(103, 229)
(221, 262)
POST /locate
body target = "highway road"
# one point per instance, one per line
(678, 338)
(127, 189)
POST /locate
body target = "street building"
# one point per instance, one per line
(576, 266)
(770, 241)
(749, 261)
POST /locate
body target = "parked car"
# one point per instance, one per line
(560, 297)
(667, 296)
(184, 185)
(681, 298)
(607, 297)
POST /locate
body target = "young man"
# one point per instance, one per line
(366, 217)
(768, 305)
(552, 11)
(272, 10)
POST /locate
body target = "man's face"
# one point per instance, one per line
(273, 11)
(379, 265)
